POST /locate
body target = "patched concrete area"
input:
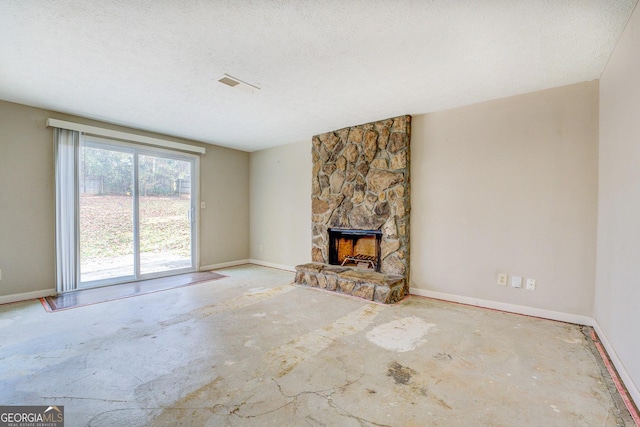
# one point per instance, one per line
(253, 349)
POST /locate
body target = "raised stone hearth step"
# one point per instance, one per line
(367, 284)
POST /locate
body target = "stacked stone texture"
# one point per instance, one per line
(361, 181)
(370, 285)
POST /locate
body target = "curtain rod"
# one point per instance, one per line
(94, 130)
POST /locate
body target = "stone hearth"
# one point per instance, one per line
(367, 284)
(361, 182)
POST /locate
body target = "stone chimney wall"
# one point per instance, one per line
(361, 181)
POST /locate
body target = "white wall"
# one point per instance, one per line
(617, 301)
(27, 206)
(280, 192)
(508, 186)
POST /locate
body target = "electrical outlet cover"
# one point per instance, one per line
(502, 279)
(516, 281)
(531, 284)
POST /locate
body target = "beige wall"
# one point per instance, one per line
(508, 186)
(281, 204)
(224, 224)
(617, 302)
(27, 204)
(503, 186)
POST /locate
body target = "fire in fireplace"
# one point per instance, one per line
(356, 248)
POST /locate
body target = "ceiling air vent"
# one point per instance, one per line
(231, 81)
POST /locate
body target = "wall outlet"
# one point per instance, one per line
(502, 279)
(261, 248)
(203, 205)
(531, 284)
(516, 281)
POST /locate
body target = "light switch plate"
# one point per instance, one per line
(516, 281)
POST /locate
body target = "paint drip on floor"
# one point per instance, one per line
(400, 335)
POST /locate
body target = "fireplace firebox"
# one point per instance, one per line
(355, 248)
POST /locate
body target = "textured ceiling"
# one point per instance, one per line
(321, 65)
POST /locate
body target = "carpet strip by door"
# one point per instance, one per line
(83, 297)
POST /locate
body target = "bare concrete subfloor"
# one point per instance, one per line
(252, 349)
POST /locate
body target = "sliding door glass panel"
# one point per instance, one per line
(165, 213)
(106, 213)
(136, 216)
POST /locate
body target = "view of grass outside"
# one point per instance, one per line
(106, 214)
(108, 229)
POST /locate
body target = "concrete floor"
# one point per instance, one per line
(251, 349)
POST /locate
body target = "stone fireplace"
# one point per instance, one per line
(360, 211)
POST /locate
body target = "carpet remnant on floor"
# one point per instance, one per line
(91, 296)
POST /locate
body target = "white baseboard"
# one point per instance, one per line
(272, 265)
(26, 296)
(247, 261)
(511, 308)
(224, 265)
(622, 371)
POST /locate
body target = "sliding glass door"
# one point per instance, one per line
(137, 213)
(165, 213)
